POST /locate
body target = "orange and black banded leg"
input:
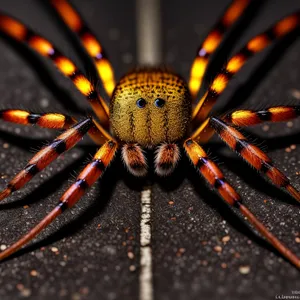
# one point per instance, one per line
(48, 154)
(246, 117)
(134, 159)
(212, 41)
(256, 44)
(253, 155)
(18, 31)
(215, 178)
(52, 121)
(72, 18)
(272, 114)
(86, 178)
(166, 159)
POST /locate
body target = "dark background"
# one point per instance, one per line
(94, 238)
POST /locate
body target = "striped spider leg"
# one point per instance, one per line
(258, 43)
(88, 40)
(212, 42)
(52, 121)
(85, 179)
(215, 178)
(19, 32)
(47, 155)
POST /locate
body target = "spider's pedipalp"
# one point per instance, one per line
(253, 155)
(214, 176)
(166, 159)
(19, 32)
(48, 154)
(256, 44)
(212, 41)
(134, 159)
(85, 179)
(73, 20)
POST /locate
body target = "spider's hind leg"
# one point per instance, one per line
(166, 159)
(85, 179)
(253, 155)
(214, 176)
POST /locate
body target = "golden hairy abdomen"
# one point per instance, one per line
(150, 125)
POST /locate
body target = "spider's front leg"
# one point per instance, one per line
(86, 178)
(213, 175)
(52, 121)
(20, 33)
(253, 155)
(255, 45)
(44, 157)
(212, 42)
(73, 20)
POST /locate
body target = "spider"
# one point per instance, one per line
(151, 108)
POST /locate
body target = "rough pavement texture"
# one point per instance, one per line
(200, 247)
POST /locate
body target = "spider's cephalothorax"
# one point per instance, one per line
(150, 106)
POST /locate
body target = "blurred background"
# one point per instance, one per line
(200, 248)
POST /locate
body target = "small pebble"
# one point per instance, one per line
(226, 239)
(289, 124)
(265, 127)
(223, 265)
(130, 255)
(54, 249)
(34, 273)
(171, 202)
(132, 268)
(218, 249)
(244, 270)
(297, 239)
(3, 247)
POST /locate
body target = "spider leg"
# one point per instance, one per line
(213, 175)
(48, 154)
(19, 32)
(166, 159)
(86, 178)
(245, 117)
(253, 155)
(272, 114)
(52, 121)
(73, 20)
(134, 159)
(256, 44)
(212, 41)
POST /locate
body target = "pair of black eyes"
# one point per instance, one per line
(141, 103)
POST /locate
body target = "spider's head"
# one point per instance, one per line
(150, 106)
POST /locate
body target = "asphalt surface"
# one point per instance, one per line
(92, 251)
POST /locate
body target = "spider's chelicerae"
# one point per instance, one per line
(151, 107)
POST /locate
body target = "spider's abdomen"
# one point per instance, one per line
(150, 106)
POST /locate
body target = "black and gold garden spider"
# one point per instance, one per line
(151, 107)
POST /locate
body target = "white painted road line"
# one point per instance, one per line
(146, 278)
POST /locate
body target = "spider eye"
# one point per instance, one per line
(159, 102)
(141, 103)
